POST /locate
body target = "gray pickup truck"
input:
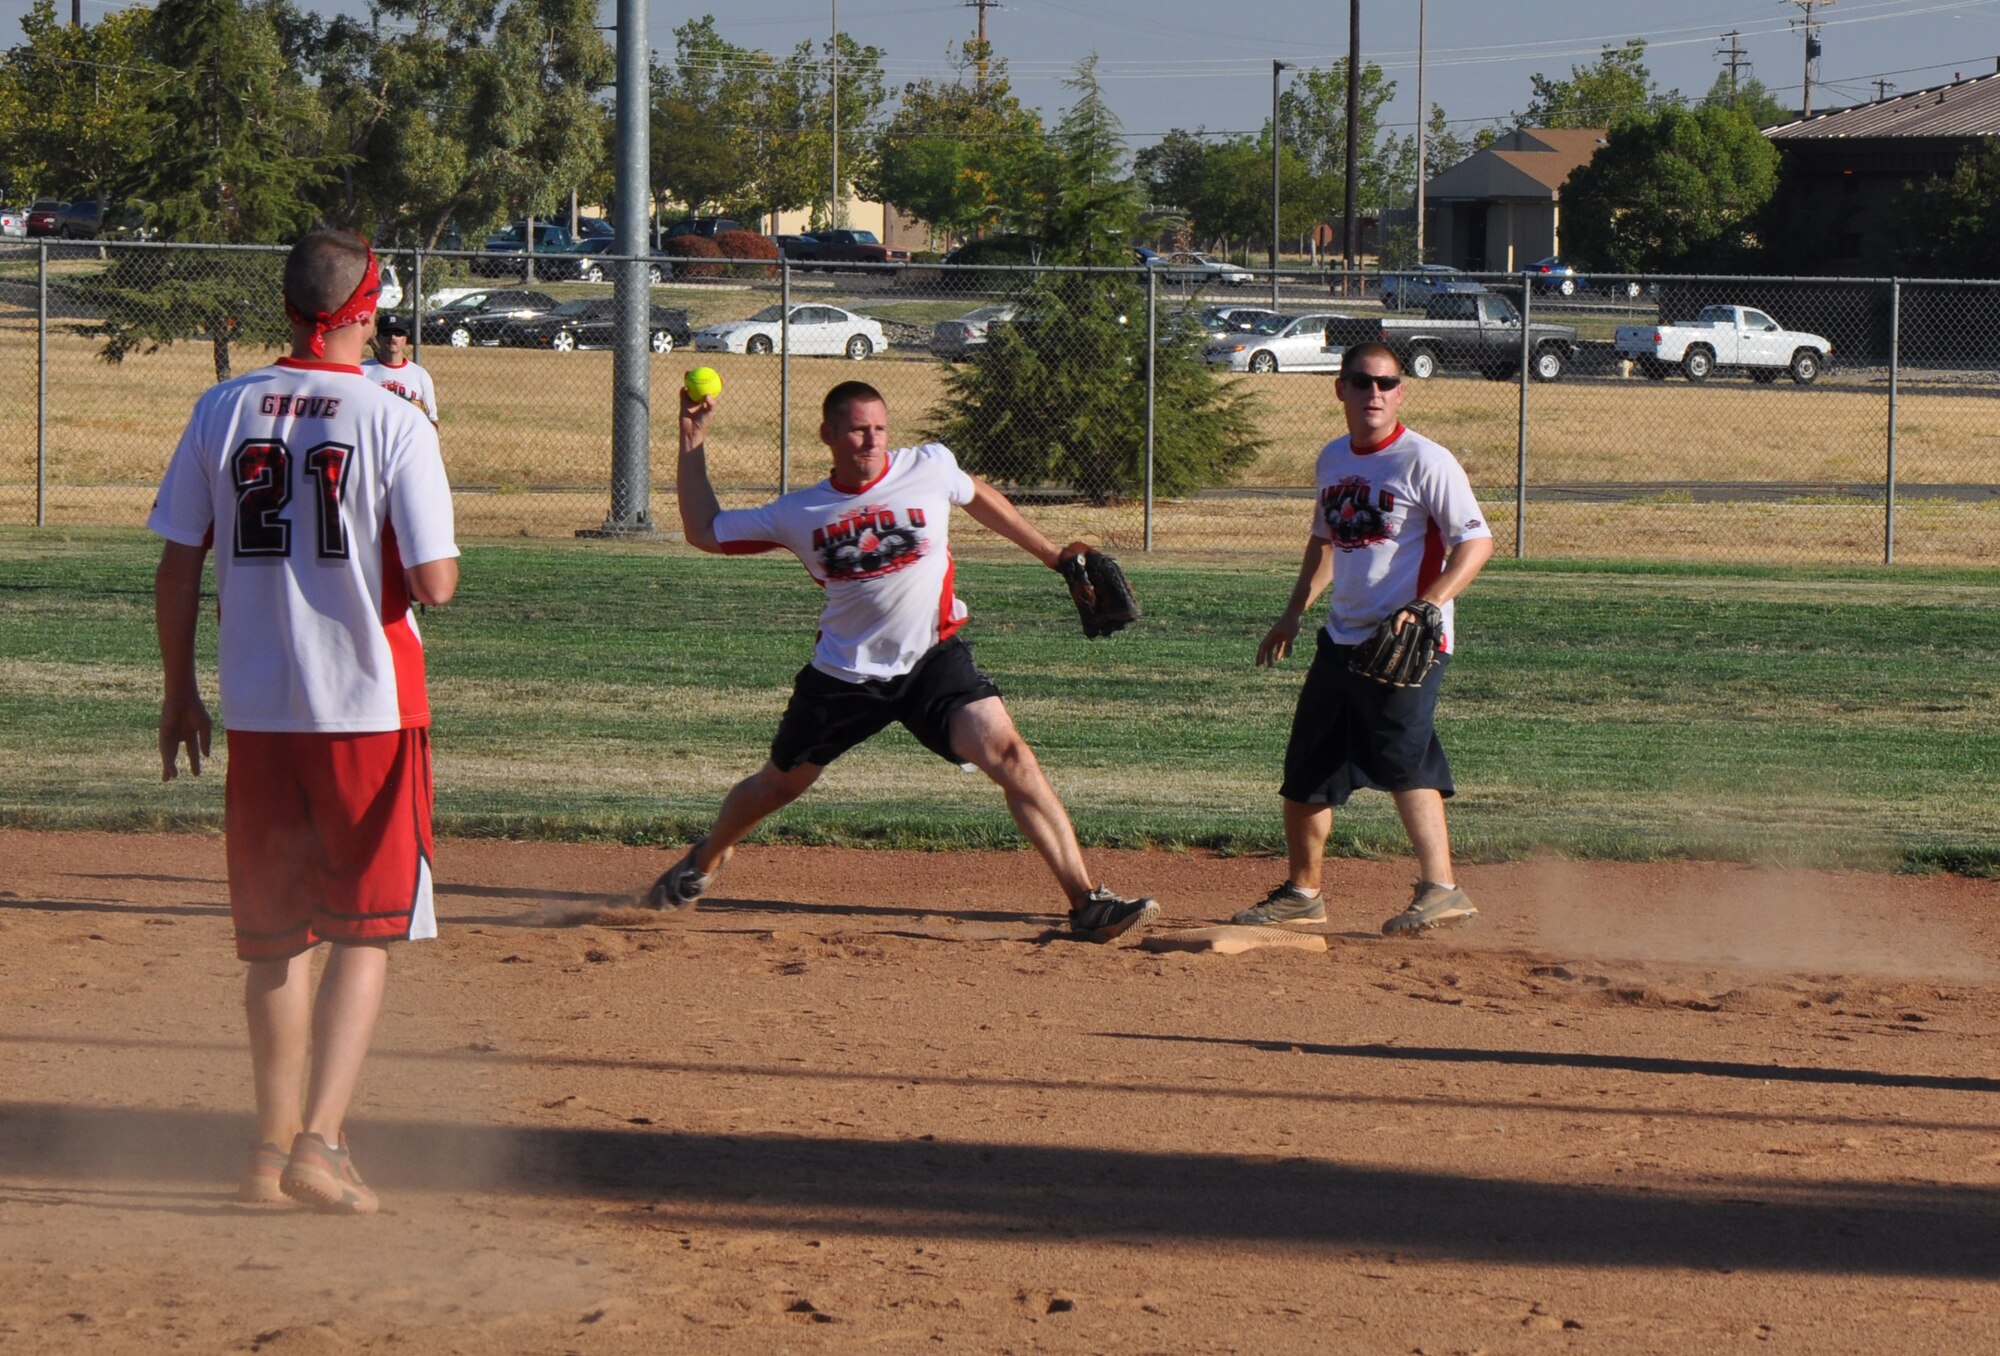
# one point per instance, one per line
(1479, 330)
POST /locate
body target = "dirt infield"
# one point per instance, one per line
(870, 1101)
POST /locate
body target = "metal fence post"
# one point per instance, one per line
(784, 375)
(1521, 432)
(1152, 404)
(1895, 372)
(42, 390)
(417, 305)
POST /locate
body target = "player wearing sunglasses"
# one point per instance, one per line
(1397, 534)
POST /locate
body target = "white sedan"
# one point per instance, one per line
(1278, 343)
(813, 329)
(1192, 267)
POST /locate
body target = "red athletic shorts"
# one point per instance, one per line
(329, 839)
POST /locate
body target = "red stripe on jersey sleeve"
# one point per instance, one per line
(406, 651)
(948, 602)
(1433, 562)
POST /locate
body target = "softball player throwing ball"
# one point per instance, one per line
(876, 535)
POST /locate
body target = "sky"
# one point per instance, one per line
(1186, 64)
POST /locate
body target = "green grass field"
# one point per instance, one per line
(614, 691)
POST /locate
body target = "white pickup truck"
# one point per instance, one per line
(1725, 338)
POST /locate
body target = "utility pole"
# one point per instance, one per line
(1811, 27)
(1738, 58)
(982, 6)
(833, 213)
(1882, 88)
(1423, 125)
(1276, 140)
(1353, 132)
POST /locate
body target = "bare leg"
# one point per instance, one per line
(983, 734)
(343, 1024)
(277, 1001)
(749, 803)
(1422, 811)
(1306, 830)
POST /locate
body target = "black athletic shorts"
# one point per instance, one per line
(828, 716)
(1351, 732)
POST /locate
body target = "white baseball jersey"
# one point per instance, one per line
(316, 488)
(1392, 514)
(407, 380)
(881, 553)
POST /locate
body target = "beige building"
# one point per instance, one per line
(1501, 208)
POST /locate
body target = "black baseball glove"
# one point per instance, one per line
(1103, 596)
(1402, 658)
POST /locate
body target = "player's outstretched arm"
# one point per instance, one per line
(996, 512)
(691, 483)
(1461, 567)
(184, 719)
(1315, 573)
(433, 582)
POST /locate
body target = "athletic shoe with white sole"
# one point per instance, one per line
(677, 890)
(1102, 915)
(1431, 906)
(1286, 904)
(322, 1176)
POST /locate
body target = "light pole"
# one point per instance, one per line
(1276, 140)
(1423, 117)
(833, 213)
(1347, 223)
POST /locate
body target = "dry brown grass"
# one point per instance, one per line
(527, 439)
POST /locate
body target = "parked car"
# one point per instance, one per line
(92, 218)
(1278, 343)
(1724, 339)
(42, 215)
(710, 227)
(391, 295)
(813, 329)
(1553, 275)
(831, 248)
(1479, 330)
(591, 228)
(1216, 322)
(957, 338)
(500, 256)
(591, 260)
(14, 223)
(1193, 268)
(998, 249)
(478, 318)
(593, 323)
(1418, 285)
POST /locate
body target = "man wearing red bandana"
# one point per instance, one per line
(325, 503)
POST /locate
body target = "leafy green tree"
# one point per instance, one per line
(1170, 169)
(1948, 226)
(224, 167)
(1616, 85)
(1750, 98)
(963, 157)
(1670, 189)
(72, 101)
(1057, 398)
(1312, 111)
(466, 111)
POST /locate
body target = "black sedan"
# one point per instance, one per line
(593, 323)
(479, 317)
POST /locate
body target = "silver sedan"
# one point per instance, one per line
(1278, 343)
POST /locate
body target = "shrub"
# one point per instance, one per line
(691, 253)
(761, 250)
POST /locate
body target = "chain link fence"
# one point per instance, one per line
(1174, 409)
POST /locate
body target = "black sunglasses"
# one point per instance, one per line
(1386, 381)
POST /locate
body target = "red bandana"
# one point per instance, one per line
(354, 309)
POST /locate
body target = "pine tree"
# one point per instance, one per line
(1057, 398)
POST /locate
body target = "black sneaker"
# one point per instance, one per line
(677, 890)
(1102, 916)
(1286, 904)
